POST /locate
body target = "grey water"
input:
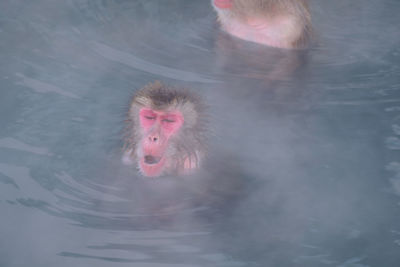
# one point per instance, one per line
(303, 165)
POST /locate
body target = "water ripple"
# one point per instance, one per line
(138, 63)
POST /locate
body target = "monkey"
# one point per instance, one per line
(276, 23)
(165, 131)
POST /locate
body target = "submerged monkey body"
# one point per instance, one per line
(164, 132)
(276, 23)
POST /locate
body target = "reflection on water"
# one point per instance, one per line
(303, 166)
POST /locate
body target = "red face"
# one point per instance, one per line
(223, 4)
(158, 127)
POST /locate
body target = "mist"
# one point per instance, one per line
(302, 166)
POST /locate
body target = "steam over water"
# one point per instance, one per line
(303, 166)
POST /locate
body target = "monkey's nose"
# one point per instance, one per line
(153, 138)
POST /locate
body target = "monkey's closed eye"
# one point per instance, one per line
(150, 117)
(167, 120)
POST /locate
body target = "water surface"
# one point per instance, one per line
(304, 147)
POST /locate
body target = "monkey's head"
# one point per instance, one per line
(245, 9)
(164, 134)
(276, 23)
(240, 8)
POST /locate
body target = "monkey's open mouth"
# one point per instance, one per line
(152, 166)
(149, 159)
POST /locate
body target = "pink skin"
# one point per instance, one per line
(278, 31)
(158, 128)
(223, 3)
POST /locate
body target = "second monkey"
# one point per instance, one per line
(276, 23)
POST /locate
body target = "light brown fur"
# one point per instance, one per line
(288, 21)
